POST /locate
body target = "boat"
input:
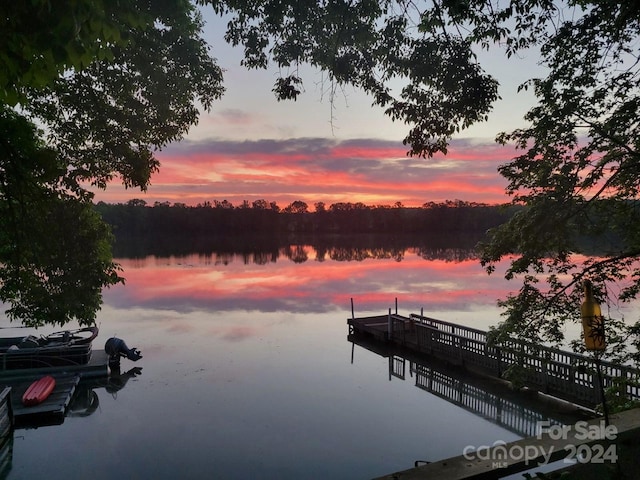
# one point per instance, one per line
(59, 349)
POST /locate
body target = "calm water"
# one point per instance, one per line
(247, 373)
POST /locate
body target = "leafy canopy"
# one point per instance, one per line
(577, 170)
(40, 41)
(578, 173)
(371, 44)
(110, 83)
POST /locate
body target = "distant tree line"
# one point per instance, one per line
(262, 249)
(136, 217)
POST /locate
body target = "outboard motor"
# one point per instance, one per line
(116, 348)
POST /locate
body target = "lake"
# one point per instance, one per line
(248, 374)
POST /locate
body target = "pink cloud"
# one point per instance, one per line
(313, 169)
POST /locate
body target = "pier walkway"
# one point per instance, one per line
(53, 410)
(565, 375)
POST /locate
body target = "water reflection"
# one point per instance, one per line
(264, 249)
(246, 372)
(312, 282)
(85, 400)
(518, 412)
(84, 403)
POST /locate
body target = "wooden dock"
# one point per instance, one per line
(6, 414)
(504, 459)
(52, 411)
(566, 375)
(6, 432)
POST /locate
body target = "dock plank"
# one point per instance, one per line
(540, 449)
(53, 408)
(52, 411)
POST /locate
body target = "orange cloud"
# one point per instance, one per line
(314, 169)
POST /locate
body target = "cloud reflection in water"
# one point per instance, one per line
(196, 283)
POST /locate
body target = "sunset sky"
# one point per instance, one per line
(251, 146)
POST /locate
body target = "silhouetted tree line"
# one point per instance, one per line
(261, 232)
(260, 217)
(265, 249)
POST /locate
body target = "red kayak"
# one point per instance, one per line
(38, 391)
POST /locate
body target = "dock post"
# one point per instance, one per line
(389, 327)
(352, 314)
(605, 410)
(396, 305)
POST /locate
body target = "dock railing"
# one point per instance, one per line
(567, 375)
(547, 369)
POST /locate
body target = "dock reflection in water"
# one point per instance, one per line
(85, 402)
(247, 371)
(494, 400)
